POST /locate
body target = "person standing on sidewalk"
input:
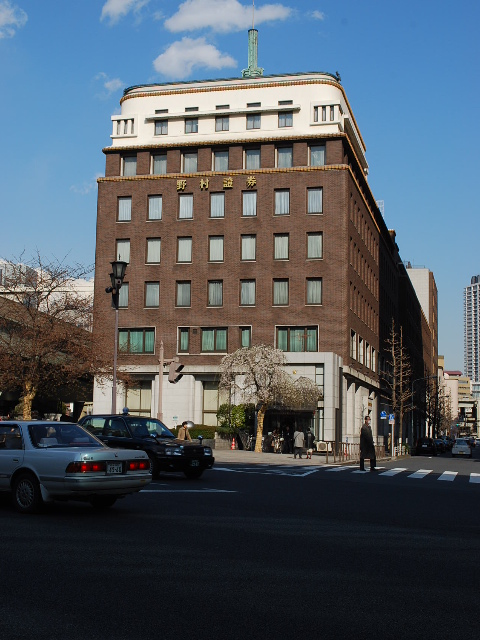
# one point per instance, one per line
(367, 446)
(298, 442)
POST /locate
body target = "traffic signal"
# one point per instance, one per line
(174, 369)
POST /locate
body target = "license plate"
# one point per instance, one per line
(194, 463)
(114, 467)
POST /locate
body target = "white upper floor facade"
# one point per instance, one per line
(236, 110)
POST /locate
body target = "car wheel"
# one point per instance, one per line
(192, 474)
(103, 502)
(27, 497)
(155, 466)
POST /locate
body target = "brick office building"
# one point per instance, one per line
(243, 210)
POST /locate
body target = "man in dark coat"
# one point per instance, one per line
(367, 446)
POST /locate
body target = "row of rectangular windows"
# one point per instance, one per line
(215, 339)
(361, 351)
(216, 246)
(314, 204)
(214, 298)
(220, 160)
(321, 113)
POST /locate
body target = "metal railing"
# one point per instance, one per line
(345, 451)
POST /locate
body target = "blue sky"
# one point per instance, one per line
(410, 70)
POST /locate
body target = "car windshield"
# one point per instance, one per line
(61, 434)
(461, 442)
(148, 427)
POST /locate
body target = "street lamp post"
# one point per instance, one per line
(413, 382)
(116, 277)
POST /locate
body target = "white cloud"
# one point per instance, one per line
(182, 57)
(115, 10)
(318, 15)
(11, 19)
(222, 15)
(87, 187)
(109, 84)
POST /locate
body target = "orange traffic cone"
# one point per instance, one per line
(232, 446)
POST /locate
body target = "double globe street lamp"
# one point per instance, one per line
(116, 277)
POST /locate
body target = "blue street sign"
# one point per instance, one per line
(383, 415)
(391, 416)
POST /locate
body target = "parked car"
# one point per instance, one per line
(45, 461)
(426, 447)
(165, 451)
(461, 448)
(440, 444)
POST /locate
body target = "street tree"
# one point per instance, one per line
(397, 376)
(44, 342)
(257, 375)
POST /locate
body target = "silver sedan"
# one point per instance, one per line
(45, 461)
(461, 448)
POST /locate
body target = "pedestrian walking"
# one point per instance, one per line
(298, 442)
(310, 443)
(367, 446)
(183, 431)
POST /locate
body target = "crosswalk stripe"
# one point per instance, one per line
(421, 473)
(393, 472)
(448, 475)
(475, 477)
(339, 468)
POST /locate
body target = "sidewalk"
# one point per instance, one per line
(239, 456)
(251, 457)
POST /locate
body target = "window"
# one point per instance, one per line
(317, 155)
(315, 200)
(367, 355)
(159, 164)
(184, 249)
(247, 292)
(252, 159)
(284, 157)
(154, 207)
(314, 245)
(217, 205)
(280, 246)
(214, 339)
(129, 166)
(297, 339)
(282, 202)
(215, 293)
(161, 127)
(153, 250)
(285, 119)
(215, 248)
(280, 292)
(190, 162)
(183, 294)
(353, 345)
(246, 336)
(123, 250)
(123, 296)
(374, 360)
(183, 339)
(314, 290)
(249, 203)
(220, 160)
(124, 209)
(152, 294)
(222, 123)
(185, 209)
(191, 125)
(332, 114)
(253, 121)
(136, 340)
(360, 350)
(249, 247)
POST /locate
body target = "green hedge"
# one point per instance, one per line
(202, 430)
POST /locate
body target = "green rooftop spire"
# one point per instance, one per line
(252, 71)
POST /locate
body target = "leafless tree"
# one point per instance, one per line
(398, 376)
(44, 346)
(258, 375)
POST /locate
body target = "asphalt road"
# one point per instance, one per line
(281, 549)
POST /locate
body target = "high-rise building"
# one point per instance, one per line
(243, 210)
(471, 329)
